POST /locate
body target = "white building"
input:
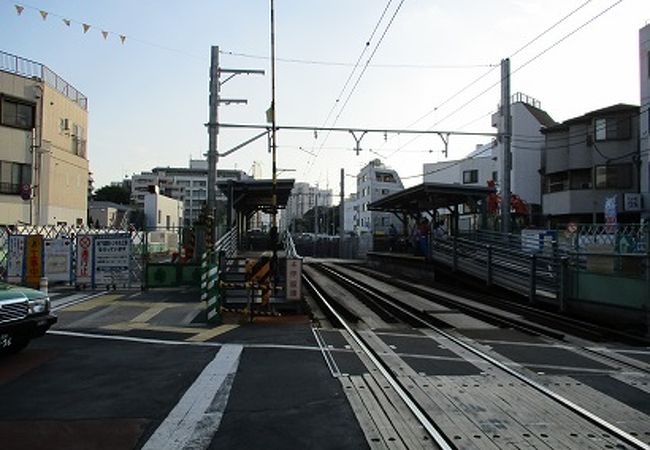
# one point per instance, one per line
(303, 198)
(350, 213)
(376, 181)
(484, 163)
(644, 118)
(162, 212)
(187, 184)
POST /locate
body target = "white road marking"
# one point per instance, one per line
(194, 420)
(117, 337)
(73, 299)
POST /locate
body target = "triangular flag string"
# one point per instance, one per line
(86, 27)
(105, 34)
(19, 9)
(122, 38)
(43, 14)
(67, 22)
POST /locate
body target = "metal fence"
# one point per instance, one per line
(177, 246)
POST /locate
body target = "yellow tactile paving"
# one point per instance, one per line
(151, 312)
(209, 334)
(94, 303)
(199, 334)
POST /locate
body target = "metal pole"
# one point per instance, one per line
(213, 130)
(342, 214)
(315, 219)
(506, 135)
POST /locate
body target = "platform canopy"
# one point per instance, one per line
(430, 197)
(249, 196)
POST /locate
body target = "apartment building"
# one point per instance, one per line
(187, 184)
(485, 162)
(589, 160)
(303, 198)
(376, 181)
(44, 172)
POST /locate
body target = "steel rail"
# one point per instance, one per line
(612, 429)
(412, 406)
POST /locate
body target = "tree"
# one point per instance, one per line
(115, 194)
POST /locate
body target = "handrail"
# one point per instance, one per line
(289, 246)
(227, 243)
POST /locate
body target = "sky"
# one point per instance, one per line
(434, 60)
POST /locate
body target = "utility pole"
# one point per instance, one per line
(315, 219)
(274, 147)
(342, 213)
(506, 136)
(213, 127)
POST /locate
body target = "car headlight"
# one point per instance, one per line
(39, 305)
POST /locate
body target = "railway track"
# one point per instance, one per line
(392, 310)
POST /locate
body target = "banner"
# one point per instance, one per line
(84, 273)
(294, 279)
(112, 260)
(34, 261)
(58, 259)
(16, 259)
(610, 213)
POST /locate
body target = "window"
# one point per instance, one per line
(13, 176)
(495, 176)
(17, 114)
(159, 216)
(557, 182)
(385, 191)
(612, 128)
(385, 177)
(614, 177)
(580, 179)
(470, 176)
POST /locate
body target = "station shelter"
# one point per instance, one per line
(441, 204)
(254, 269)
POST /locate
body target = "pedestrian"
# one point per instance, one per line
(392, 236)
(424, 237)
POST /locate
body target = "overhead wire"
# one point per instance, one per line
(360, 74)
(483, 92)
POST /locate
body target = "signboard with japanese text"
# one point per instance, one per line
(610, 214)
(34, 260)
(16, 259)
(84, 273)
(294, 278)
(112, 260)
(58, 259)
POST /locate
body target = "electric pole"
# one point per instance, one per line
(506, 136)
(342, 213)
(213, 128)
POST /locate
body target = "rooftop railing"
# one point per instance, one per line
(32, 69)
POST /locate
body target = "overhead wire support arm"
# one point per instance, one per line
(356, 130)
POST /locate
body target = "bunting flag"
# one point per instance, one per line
(68, 22)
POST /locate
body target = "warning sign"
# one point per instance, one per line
(58, 259)
(84, 259)
(112, 262)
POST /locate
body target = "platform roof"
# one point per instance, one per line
(429, 197)
(256, 195)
